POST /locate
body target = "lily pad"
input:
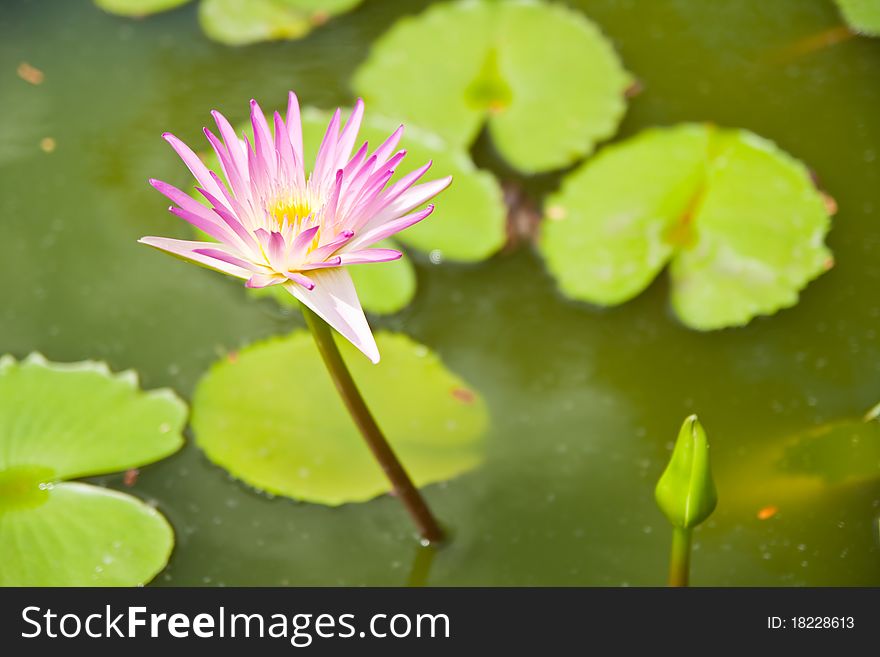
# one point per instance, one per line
(272, 418)
(740, 221)
(240, 22)
(837, 452)
(459, 65)
(138, 8)
(469, 222)
(863, 16)
(59, 422)
(83, 535)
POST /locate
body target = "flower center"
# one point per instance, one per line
(293, 209)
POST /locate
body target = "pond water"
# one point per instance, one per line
(585, 403)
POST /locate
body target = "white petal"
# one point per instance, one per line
(335, 300)
(186, 249)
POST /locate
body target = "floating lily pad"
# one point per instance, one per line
(863, 16)
(83, 535)
(59, 422)
(240, 22)
(606, 235)
(740, 221)
(138, 8)
(468, 223)
(459, 65)
(837, 452)
(272, 418)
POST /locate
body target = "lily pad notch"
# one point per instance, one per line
(740, 223)
(545, 108)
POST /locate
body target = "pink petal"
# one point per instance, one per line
(301, 279)
(355, 203)
(263, 236)
(284, 149)
(349, 134)
(326, 159)
(419, 194)
(276, 248)
(389, 145)
(207, 225)
(326, 250)
(394, 192)
(330, 206)
(175, 195)
(187, 250)
(223, 256)
(260, 181)
(263, 280)
(356, 180)
(335, 300)
(193, 163)
(263, 139)
(387, 229)
(407, 201)
(294, 131)
(407, 181)
(302, 242)
(355, 161)
(335, 261)
(229, 167)
(230, 220)
(232, 143)
(367, 256)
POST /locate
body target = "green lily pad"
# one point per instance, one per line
(469, 222)
(138, 8)
(272, 418)
(240, 22)
(605, 236)
(459, 65)
(837, 452)
(83, 535)
(740, 221)
(863, 16)
(64, 421)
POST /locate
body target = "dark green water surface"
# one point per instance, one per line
(585, 403)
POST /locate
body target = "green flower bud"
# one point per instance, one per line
(686, 491)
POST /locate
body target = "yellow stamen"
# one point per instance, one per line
(293, 209)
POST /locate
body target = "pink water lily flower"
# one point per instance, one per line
(274, 225)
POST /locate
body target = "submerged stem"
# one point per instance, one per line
(421, 567)
(354, 402)
(680, 559)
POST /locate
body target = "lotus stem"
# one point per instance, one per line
(403, 487)
(421, 566)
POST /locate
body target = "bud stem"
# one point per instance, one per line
(680, 559)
